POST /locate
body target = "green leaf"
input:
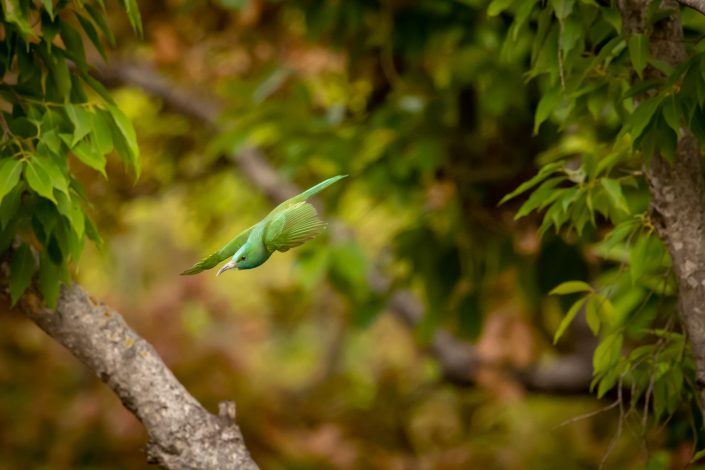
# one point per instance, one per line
(99, 19)
(638, 52)
(39, 180)
(97, 87)
(56, 176)
(74, 44)
(498, 6)
(82, 122)
(89, 154)
(642, 115)
(550, 101)
(659, 397)
(697, 123)
(573, 31)
(613, 17)
(607, 353)
(562, 8)
(59, 72)
(10, 171)
(11, 204)
(92, 35)
(101, 132)
(52, 141)
(671, 114)
(540, 176)
(614, 191)
(131, 153)
(16, 15)
(133, 14)
(73, 213)
(571, 287)
(592, 316)
(698, 455)
(49, 7)
(49, 281)
(92, 232)
(608, 381)
(568, 319)
(22, 127)
(538, 197)
(21, 269)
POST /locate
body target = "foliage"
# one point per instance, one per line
(613, 117)
(54, 114)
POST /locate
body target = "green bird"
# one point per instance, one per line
(290, 224)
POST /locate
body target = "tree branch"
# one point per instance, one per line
(697, 5)
(182, 434)
(459, 360)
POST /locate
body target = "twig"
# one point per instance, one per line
(620, 424)
(586, 415)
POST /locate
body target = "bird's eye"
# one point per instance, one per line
(242, 258)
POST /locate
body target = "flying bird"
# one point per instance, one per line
(290, 224)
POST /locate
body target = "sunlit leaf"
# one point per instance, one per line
(15, 14)
(592, 316)
(498, 6)
(133, 13)
(82, 122)
(568, 319)
(89, 154)
(39, 180)
(131, 153)
(571, 287)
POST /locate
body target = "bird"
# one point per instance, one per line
(292, 223)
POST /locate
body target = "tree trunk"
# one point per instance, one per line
(678, 190)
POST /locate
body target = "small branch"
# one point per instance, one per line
(697, 5)
(182, 434)
(459, 360)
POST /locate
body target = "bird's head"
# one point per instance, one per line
(244, 258)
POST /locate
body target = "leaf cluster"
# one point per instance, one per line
(53, 115)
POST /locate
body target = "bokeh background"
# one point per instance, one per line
(428, 110)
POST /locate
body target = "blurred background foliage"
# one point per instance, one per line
(428, 109)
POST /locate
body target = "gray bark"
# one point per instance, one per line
(182, 434)
(678, 189)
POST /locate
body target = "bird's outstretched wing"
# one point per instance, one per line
(304, 196)
(293, 227)
(224, 253)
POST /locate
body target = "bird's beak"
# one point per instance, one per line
(229, 265)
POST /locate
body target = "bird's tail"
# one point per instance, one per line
(313, 190)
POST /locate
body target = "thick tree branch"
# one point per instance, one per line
(459, 360)
(678, 189)
(182, 434)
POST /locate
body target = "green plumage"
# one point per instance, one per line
(290, 224)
